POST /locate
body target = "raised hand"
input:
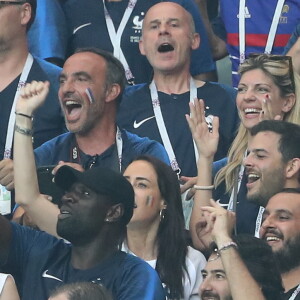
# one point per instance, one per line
(267, 112)
(32, 95)
(220, 220)
(206, 140)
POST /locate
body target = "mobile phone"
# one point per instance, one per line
(47, 185)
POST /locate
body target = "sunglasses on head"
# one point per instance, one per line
(274, 57)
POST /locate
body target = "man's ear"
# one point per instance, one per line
(114, 213)
(195, 41)
(113, 92)
(26, 14)
(141, 46)
(293, 168)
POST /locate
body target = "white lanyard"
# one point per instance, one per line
(258, 221)
(115, 37)
(12, 116)
(296, 292)
(272, 32)
(119, 145)
(239, 180)
(161, 124)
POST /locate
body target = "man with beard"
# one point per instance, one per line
(95, 210)
(281, 230)
(91, 85)
(273, 160)
(272, 163)
(239, 267)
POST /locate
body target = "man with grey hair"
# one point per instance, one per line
(157, 110)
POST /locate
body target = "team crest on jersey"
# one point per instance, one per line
(137, 28)
(247, 14)
(283, 18)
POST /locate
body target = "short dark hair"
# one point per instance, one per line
(260, 261)
(289, 137)
(33, 5)
(83, 291)
(115, 72)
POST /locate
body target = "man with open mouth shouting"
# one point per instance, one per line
(91, 84)
(157, 109)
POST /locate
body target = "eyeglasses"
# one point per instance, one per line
(278, 58)
(3, 3)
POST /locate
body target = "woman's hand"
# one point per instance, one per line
(206, 140)
(267, 112)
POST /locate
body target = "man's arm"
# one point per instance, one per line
(294, 52)
(41, 211)
(242, 284)
(217, 45)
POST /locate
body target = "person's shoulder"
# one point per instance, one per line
(219, 164)
(131, 263)
(195, 257)
(138, 280)
(134, 92)
(48, 67)
(38, 239)
(61, 139)
(143, 144)
(222, 87)
(54, 150)
(137, 140)
(136, 145)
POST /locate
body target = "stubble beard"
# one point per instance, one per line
(287, 256)
(268, 188)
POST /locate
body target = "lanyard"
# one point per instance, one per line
(296, 292)
(119, 145)
(12, 116)
(272, 32)
(232, 201)
(115, 37)
(162, 127)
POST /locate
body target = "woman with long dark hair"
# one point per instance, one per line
(156, 231)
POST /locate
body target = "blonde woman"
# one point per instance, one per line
(268, 89)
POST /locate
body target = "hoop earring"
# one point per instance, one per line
(162, 215)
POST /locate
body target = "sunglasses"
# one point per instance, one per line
(4, 3)
(273, 57)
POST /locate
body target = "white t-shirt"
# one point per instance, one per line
(195, 263)
(3, 278)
